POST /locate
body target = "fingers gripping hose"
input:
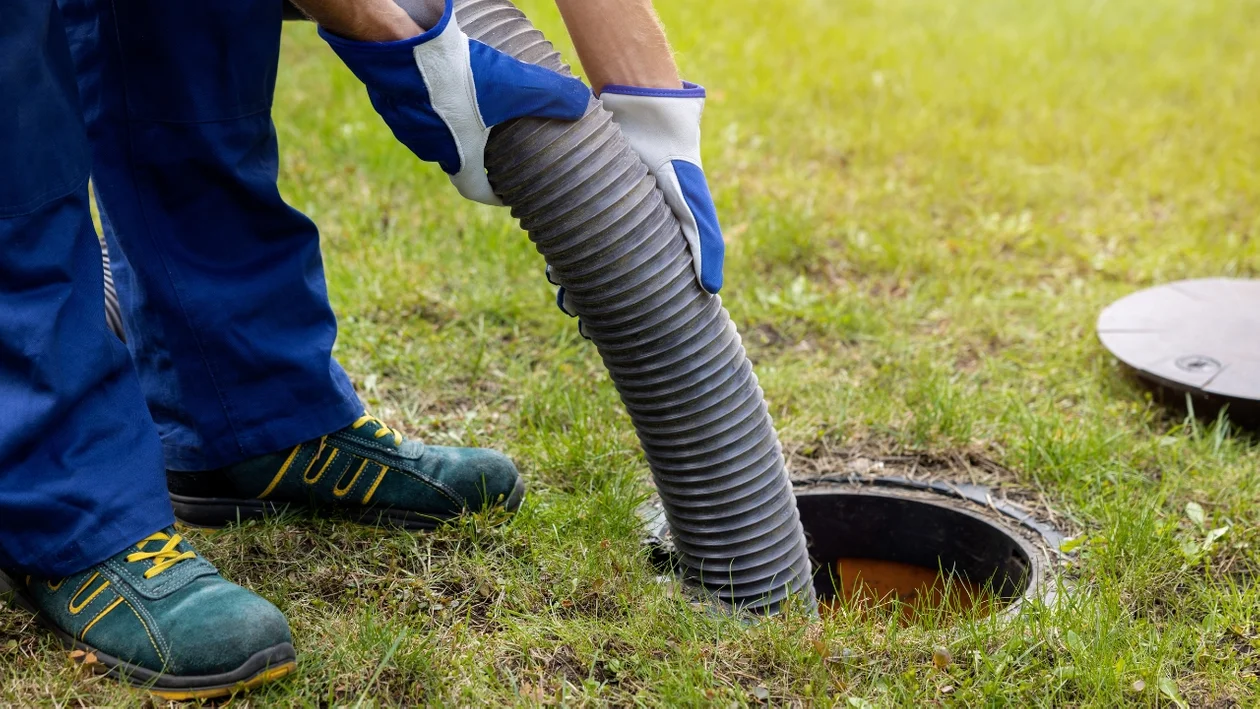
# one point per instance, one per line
(596, 216)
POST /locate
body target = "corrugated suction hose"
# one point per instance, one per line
(113, 314)
(596, 216)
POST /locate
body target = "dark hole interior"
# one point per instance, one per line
(910, 531)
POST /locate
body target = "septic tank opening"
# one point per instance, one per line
(917, 525)
(913, 553)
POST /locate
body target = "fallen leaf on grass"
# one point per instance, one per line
(820, 646)
(529, 691)
(87, 659)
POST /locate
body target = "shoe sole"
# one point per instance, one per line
(263, 667)
(219, 512)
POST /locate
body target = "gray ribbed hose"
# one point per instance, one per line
(595, 214)
(113, 314)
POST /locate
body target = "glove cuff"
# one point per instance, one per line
(689, 90)
(662, 125)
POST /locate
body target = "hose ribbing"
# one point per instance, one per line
(595, 215)
(113, 313)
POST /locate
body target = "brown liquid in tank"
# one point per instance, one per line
(871, 585)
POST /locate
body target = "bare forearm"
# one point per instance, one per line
(362, 20)
(620, 42)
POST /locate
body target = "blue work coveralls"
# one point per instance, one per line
(167, 105)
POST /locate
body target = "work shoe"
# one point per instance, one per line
(366, 471)
(160, 617)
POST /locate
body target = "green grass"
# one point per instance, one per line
(927, 202)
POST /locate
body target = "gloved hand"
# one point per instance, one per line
(663, 127)
(442, 92)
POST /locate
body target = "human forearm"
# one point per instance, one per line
(366, 20)
(620, 42)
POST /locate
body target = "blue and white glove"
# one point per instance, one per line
(663, 127)
(442, 92)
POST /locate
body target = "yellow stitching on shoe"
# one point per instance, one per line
(318, 452)
(54, 587)
(382, 430)
(148, 632)
(163, 558)
(283, 469)
(102, 614)
(323, 469)
(372, 490)
(75, 610)
(343, 491)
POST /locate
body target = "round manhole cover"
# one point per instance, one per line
(1200, 337)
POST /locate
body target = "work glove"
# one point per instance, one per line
(441, 93)
(663, 127)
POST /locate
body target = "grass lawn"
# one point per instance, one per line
(927, 203)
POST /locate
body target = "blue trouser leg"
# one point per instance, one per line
(221, 282)
(80, 462)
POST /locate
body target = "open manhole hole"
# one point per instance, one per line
(920, 548)
(914, 553)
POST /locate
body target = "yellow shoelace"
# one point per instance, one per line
(163, 558)
(382, 431)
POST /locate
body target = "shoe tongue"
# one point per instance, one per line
(364, 432)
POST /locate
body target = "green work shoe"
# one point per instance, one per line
(160, 617)
(366, 471)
